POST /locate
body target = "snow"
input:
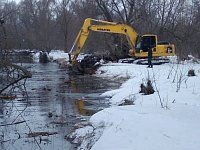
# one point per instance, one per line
(58, 54)
(36, 57)
(145, 128)
(80, 133)
(146, 125)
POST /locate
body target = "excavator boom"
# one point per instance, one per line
(101, 26)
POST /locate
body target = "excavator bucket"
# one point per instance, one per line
(88, 65)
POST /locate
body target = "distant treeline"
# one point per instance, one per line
(54, 24)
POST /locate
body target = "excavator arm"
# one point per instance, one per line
(100, 26)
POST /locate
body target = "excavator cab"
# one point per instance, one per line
(145, 42)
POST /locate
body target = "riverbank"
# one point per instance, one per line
(167, 119)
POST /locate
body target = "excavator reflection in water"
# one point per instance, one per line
(139, 44)
(81, 106)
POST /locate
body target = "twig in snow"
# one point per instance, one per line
(161, 102)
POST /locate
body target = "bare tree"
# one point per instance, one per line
(50, 24)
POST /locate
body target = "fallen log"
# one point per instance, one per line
(7, 97)
(19, 122)
(35, 134)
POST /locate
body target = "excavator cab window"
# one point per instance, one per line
(144, 43)
(148, 42)
(138, 44)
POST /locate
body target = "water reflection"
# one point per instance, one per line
(85, 108)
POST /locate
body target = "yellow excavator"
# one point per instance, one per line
(139, 44)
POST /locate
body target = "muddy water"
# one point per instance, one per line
(51, 108)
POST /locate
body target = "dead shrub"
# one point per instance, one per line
(127, 102)
(191, 73)
(147, 89)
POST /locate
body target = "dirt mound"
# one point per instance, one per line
(88, 65)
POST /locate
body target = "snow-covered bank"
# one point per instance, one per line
(142, 128)
(57, 54)
(146, 125)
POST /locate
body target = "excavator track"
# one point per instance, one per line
(155, 61)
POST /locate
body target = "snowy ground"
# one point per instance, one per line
(146, 125)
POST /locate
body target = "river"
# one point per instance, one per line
(50, 111)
